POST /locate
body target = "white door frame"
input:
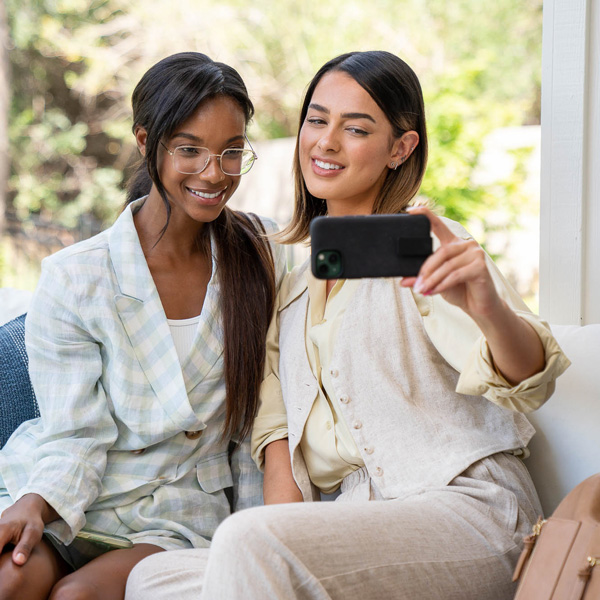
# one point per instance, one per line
(570, 170)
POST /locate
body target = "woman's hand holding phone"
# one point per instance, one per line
(457, 270)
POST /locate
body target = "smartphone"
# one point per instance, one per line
(104, 539)
(369, 246)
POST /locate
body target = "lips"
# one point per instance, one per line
(208, 197)
(326, 167)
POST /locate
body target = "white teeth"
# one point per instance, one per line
(329, 166)
(205, 195)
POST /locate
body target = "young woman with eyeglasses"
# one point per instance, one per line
(146, 346)
(403, 396)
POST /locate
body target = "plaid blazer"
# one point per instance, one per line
(116, 403)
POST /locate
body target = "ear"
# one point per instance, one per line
(403, 147)
(140, 138)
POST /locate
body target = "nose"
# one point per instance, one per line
(328, 142)
(212, 172)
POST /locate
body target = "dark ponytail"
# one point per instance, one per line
(246, 276)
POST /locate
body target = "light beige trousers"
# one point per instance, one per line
(460, 541)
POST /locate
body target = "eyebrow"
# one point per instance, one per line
(193, 138)
(349, 115)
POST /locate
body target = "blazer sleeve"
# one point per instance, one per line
(77, 426)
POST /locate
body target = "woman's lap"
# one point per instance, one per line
(458, 541)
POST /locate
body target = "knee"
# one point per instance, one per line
(12, 579)
(168, 575)
(140, 583)
(254, 529)
(239, 530)
(67, 589)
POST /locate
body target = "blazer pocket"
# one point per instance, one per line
(214, 473)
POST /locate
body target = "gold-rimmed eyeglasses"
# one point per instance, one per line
(191, 160)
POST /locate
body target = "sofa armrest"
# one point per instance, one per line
(566, 447)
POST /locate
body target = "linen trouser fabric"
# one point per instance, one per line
(460, 541)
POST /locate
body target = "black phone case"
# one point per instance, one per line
(369, 246)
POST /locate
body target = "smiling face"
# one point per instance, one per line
(218, 123)
(346, 145)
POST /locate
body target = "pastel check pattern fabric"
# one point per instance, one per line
(109, 448)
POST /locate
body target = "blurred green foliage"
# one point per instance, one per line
(75, 62)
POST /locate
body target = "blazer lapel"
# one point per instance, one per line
(141, 313)
(209, 342)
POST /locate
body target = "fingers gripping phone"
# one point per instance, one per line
(104, 539)
(369, 246)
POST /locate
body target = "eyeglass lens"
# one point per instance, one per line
(194, 159)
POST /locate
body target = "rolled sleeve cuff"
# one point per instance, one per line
(480, 378)
(258, 454)
(71, 520)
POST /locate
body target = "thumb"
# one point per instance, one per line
(438, 227)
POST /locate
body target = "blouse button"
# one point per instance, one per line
(139, 451)
(369, 449)
(193, 435)
(344, 399)
(379, 471)
(357, 425)
(334, 372)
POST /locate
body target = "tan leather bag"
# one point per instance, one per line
(561, 558)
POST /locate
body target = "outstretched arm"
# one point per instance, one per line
(458, 271)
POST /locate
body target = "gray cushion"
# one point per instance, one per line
(17, 399)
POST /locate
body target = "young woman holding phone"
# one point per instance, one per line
(405, 397)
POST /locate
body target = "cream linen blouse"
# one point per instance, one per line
(328, 448)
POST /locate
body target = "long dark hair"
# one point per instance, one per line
(395, 88)
(166, 96)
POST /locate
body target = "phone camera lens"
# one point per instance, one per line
(334, 259)
(323, 269)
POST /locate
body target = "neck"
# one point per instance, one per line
(181, 237)
(344, 209)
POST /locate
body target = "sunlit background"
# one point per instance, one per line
(71, 65)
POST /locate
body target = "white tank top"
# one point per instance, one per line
(183, 332)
